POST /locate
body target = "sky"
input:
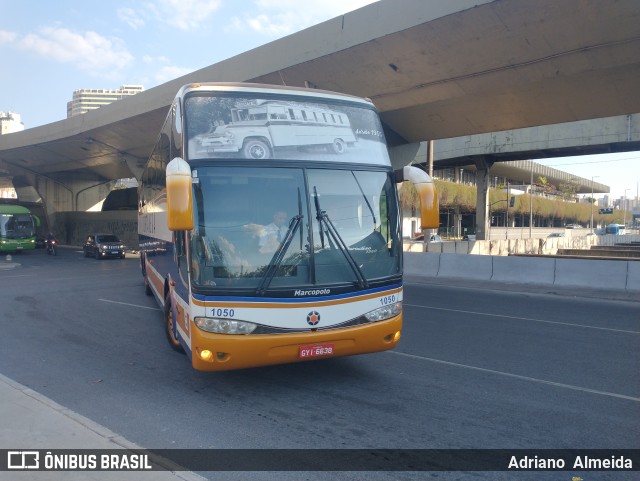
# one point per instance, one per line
(620, 171)
(48, 49)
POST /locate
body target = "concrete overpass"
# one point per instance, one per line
(434, 69)
(506, 149)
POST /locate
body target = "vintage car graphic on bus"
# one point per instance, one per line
(254, 128)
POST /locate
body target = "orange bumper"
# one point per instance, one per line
(238, 352)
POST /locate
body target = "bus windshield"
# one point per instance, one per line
(16, 226)
(278, 227)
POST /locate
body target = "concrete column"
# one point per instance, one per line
(483, 181)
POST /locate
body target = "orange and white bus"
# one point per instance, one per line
(269, 259)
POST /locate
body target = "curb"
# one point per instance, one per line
(98, 429)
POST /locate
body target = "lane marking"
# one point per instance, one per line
(131, 305)
(524, 319)
(518, 376)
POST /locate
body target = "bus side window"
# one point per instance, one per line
(181, 255)
(176, 133)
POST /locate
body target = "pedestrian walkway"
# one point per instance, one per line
(29, 420)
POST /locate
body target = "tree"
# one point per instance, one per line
(545, 185)
(568, 190)
(408, 196)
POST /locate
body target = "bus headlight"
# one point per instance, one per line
(224, 326)
(384, 312)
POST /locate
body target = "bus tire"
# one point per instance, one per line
(169, 327)
(338, 146)
(256, 149)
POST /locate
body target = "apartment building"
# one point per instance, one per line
(10, 122)
(84, 100)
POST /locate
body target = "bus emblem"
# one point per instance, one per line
(313, 318)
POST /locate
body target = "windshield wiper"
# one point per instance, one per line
(365, 199)
(278, 256)
(333, 234)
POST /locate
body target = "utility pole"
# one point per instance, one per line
(531, 202)
(506, 224)
(624, 209)
(592, 201)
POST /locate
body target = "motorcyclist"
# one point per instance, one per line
(50, 237)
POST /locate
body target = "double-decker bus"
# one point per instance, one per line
(17, 228)
(293, 257)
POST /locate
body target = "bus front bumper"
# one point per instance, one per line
(220, 352)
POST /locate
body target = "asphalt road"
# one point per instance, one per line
(475, 368)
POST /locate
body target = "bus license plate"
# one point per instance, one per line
(316, 350)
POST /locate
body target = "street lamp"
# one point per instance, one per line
(531, 200)
(624, 209)
(592, 201)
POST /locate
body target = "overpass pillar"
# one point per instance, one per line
(483, 166)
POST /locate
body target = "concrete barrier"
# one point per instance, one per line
(591, 273)
(530, 270)
(633, 276)
(421, 264)
(619, 275)
(465, 266)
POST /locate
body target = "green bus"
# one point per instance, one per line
(17, 228)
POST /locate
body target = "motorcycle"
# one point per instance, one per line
(51, 247)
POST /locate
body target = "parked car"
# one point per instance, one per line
(556, 234)
(432, 238)
(103, 245)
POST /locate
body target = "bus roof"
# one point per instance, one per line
(13, 209)
(272, 89)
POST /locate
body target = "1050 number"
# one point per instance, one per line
(386, 300)
(222, 312)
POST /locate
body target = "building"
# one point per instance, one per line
(89, 99)
(513, 180)
(10, 122)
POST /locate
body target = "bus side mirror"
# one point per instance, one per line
(426, 189)
(179, 197)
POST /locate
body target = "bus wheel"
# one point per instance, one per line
(256, 149)
(169, 325)
(338, 146)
